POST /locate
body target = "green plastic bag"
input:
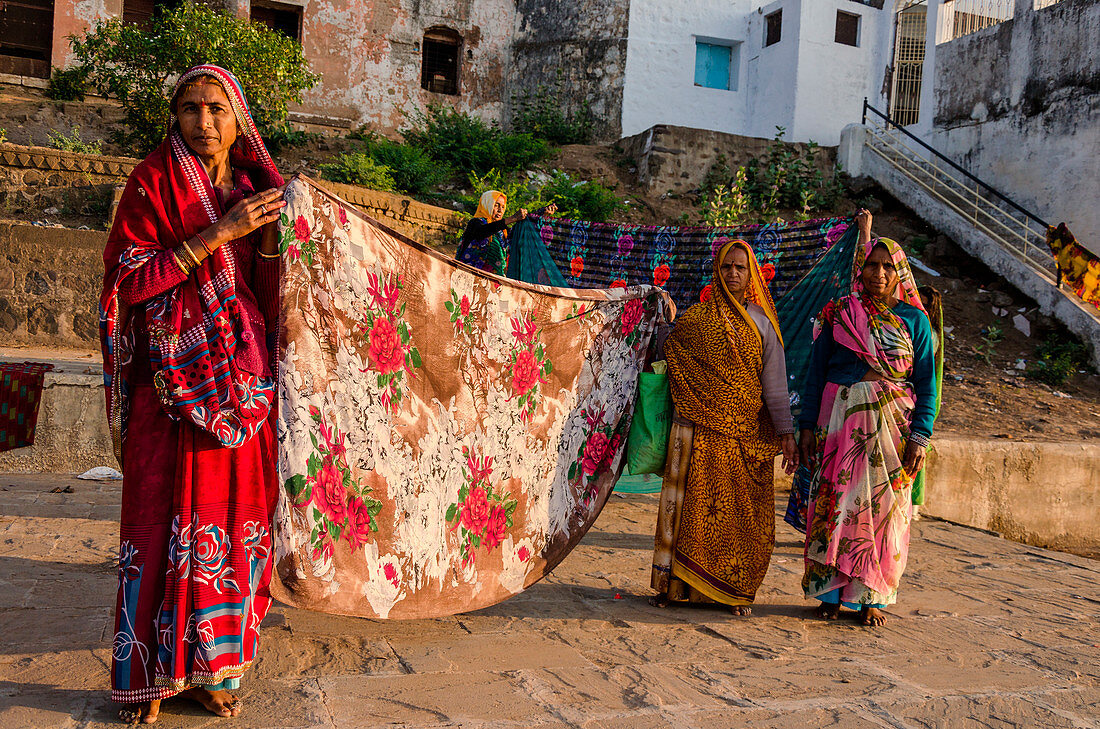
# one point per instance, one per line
(647, 444)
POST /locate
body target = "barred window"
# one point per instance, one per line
(442, 50)
(280, 17)
(847, 28)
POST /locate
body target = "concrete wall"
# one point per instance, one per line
(1046, 494)
(584, 44)
(660, 65)
(71, 435)
(1019, 105)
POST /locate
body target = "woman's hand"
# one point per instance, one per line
(246, 216)
(551, 209)
(517, 216)
(807, 445)
(790, 453)
(863, 221)
(914, 459)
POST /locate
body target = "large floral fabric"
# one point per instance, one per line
(446, 436)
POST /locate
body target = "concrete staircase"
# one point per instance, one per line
(1006, 237)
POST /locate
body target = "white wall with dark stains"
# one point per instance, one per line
(1018, 104)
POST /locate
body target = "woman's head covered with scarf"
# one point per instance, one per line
(756, 291)
(906, 288)
(487, 203)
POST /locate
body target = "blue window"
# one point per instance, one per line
(715, 65)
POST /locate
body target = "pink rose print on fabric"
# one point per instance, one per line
(301, 229)
(633, 313)
(625, 244)
(483, 514)
(576, 267)
(594, 452)
(385, 347)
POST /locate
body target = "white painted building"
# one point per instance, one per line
(1007, 88)
(805, 65)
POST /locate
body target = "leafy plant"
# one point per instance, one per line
(785, 177)
(3, 135)
(413, 170)
(581, 199)
(71, 142)
(70, 84)
(728, 204)
(359, 168)
(544, 114)
(284, 136)
(467, 144)
(1056, 360)
(135, 66)
(985, 349)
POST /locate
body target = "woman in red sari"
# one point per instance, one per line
(190, 296)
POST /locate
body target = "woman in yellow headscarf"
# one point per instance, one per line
(716, 527)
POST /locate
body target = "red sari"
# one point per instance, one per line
(189, 391)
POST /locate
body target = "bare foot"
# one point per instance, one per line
(741, 610)
(828, 610)
(135, 714)
(218, 703)
(659, 600)
(873, 617)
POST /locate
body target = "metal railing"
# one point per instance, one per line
(963, 17)
(1001, 218)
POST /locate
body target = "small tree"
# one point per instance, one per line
(138, 67)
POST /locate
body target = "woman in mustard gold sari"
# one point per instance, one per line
(716, 527)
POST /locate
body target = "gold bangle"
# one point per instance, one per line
(183, 266)
(190, 254)
(261, 254)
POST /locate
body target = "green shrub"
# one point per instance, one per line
(135, 66)
(283, 137)
(72, 143)
(358, 168)
(785, 177)
(69, 84)
(543, 113)
(1056, 359)
(468, 145)
(581, 199)
(412, 169)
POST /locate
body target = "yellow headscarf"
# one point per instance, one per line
(485, 204)
(756, 293)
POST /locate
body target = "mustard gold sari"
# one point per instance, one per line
(716, 527)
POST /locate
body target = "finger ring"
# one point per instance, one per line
(263, 209)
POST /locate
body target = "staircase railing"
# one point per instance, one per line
(1017, 229)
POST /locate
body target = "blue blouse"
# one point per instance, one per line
(830, 362)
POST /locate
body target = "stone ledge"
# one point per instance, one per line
(47, 158)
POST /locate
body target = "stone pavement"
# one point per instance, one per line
(989, 633)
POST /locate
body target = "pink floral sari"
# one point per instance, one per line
(857, 538)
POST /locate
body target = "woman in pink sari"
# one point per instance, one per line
(868, 408)
(190, 296)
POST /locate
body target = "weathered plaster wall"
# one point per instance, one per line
(1019, 105)
(368, 55)
(73, 18)
(584, 42)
